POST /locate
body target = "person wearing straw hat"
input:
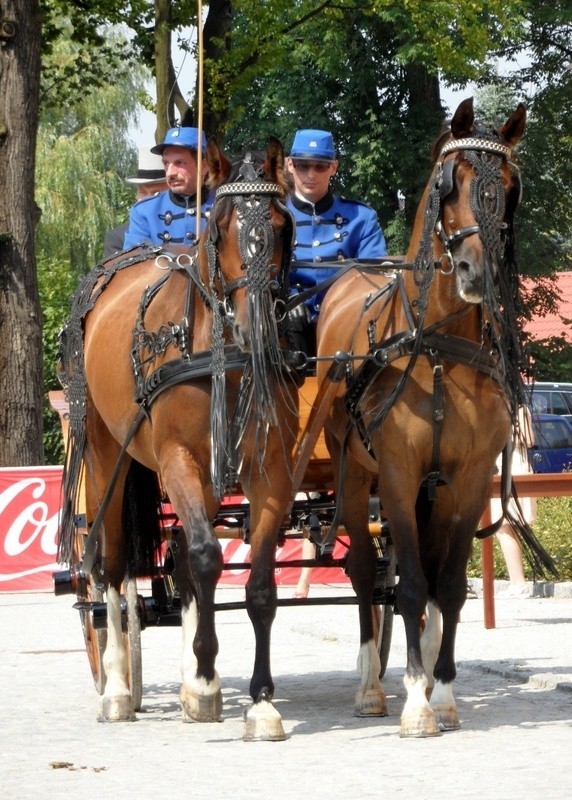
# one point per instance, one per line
(149, 180)
(171, 216)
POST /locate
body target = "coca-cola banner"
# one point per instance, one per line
(29, 511)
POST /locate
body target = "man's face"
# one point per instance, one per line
(181, 170)
(311, 177)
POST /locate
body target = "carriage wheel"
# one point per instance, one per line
(133, 643)
(383, 614)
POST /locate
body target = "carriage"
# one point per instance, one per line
(418, 367)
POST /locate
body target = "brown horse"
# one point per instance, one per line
(427, 411)
(183, 377)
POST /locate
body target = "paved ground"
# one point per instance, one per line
(514, 691)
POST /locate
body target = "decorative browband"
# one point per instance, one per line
(476, 144)
(256, 187)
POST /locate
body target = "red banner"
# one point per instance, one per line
(29, 512)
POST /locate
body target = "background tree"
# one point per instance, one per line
(20, 317)
(83, 156)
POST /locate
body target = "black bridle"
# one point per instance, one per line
(252, 196)
(267, 290)
(487, 194)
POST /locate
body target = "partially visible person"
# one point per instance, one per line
(170, 216)
(150, 180)
(507, 539)
(328, 228)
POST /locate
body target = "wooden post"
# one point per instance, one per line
(488, 573)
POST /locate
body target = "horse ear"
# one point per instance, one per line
(513, 128)
(219, 165)
(462, 122)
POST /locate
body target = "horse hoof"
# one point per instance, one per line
(370, 704)
(201, 707)
(447, 718)
(419, 725)
(262, 723)
(116, 709)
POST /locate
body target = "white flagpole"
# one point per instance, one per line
(199, 114)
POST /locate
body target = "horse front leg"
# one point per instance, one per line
(418, 719)
(451, 593)
(269, 498)
(197, 578)
(198, 567)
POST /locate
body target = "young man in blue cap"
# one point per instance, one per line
(170, 217)
(328, 227)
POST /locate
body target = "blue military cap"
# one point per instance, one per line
(314, 144)
(181, 137)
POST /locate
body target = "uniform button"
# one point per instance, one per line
(166, 236)
(190, 236)
(338, 237)
(316, 243)
(191, 211)
(318, 259)
(338, 219)
(168, 218)
(318, 220)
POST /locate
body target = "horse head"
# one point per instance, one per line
(249, 240)
(477, 189)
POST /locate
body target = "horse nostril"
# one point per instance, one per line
(465, 266)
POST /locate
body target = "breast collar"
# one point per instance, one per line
(320, 207)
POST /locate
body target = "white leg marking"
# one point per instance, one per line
(115, 704)
(201, 700)
(444, 705)
(418, 718)
(431, 641)
(370, 699)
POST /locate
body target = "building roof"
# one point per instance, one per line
(553, 324)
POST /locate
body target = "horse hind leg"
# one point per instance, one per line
(198, 566)
(115, 703)
(370, 699)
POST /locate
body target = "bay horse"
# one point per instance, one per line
(433, 386)
(174, 368)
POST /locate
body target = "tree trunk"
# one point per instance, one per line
(216, 40)
(424, 119)
(21, 384)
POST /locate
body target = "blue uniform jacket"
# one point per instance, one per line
(332, 230)
(166, 218)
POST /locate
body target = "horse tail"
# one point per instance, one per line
(71, 485)
(140, 520)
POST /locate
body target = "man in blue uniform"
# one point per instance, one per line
(170, 217)
(328, 228)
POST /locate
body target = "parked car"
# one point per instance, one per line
(551, 398)
(552, 449)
